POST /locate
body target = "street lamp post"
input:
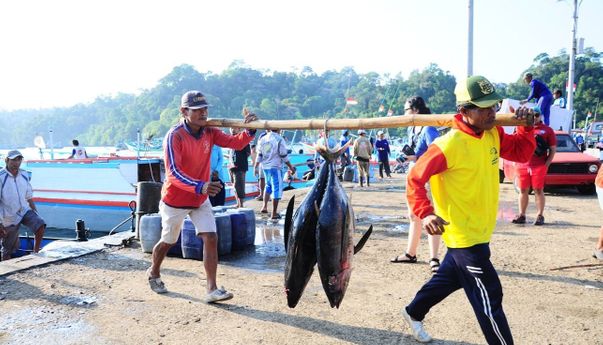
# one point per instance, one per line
(572, 67)
(470, 41)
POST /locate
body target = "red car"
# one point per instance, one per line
(570, 167)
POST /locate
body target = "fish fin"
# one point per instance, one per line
(288, 220)
(363, 240)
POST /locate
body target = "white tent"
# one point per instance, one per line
(561, 119)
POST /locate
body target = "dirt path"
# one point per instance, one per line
(104, 298)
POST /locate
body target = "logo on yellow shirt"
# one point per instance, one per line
(494, 154)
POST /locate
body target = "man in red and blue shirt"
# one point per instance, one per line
(187, 148)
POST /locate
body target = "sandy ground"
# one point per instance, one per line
(103, 298)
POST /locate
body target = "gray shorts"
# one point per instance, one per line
(10, 243)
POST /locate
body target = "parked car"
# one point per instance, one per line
(593, 133)
(570, 167)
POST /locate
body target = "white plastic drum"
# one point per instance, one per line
(150, 231)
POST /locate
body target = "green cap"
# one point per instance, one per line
(476, 90)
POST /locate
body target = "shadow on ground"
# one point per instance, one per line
(352, 334)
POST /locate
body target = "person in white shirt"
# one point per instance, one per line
(17, 206)
(77, 152)
(272, 152)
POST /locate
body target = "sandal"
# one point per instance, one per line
(276, 217)
(406, 259)
(434, 263)
(520, 219)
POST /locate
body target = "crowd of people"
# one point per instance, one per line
(443, 182)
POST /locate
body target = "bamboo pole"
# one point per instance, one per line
(437, 120)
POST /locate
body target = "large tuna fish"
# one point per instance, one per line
(321, 231)
(300, 240)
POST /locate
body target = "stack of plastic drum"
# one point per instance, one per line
(250, 217)
(224, 230)
(150, 231)
(238, 222)
(218, 209)
(192, 245)
(176, 249)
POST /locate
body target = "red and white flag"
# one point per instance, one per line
(351, 101)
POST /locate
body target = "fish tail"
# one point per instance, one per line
(330, 155)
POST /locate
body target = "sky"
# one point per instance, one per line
(63, 52)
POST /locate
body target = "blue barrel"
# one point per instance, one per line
(150, 231)
(250, 217)
(176, 249)
(192, 245)
(224, 230)
(218, 209)
(239, 230)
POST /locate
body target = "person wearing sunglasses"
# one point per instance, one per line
(532, 173)
(462, 169)
(420, 138)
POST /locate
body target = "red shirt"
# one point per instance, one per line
(548, 134)
(187, 162)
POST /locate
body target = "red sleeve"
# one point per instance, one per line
(432, 162)
(519, 146)
(237, 142)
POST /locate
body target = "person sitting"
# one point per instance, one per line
(17, 206)
(311, 173)
(77, 152)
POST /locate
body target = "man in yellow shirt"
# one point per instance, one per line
(462, 169)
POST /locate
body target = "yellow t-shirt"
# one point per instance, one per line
(462, 169)
(468, 190)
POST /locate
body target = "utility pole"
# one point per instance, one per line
(572, 64)
(470, 41)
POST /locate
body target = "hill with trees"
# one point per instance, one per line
(277, 95)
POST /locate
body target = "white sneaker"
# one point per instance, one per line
(156, 284)
(418, 332)
(218, 295)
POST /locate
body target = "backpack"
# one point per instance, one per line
(542, 146)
